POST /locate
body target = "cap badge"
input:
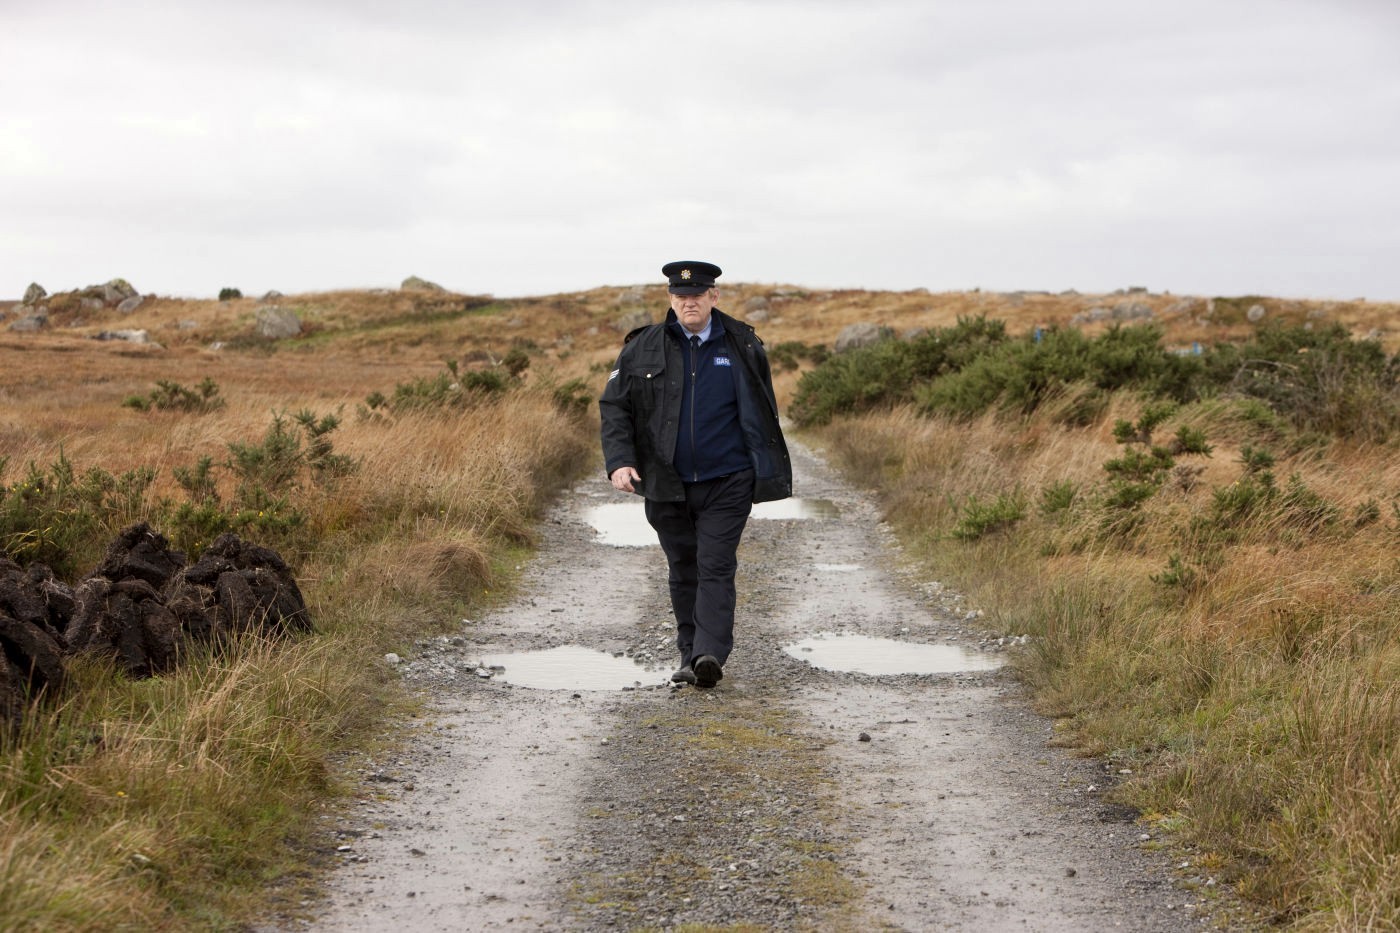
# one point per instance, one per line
(685, 274)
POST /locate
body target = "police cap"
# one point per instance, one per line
(690, 277)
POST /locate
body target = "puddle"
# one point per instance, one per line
(796, 508)
(861, 654)
(571, 667)
(624, 524)
(621, 524)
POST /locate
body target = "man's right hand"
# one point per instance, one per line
(623, 478)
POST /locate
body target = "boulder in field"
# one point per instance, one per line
(630, 321)
(414, 284)
(34, 294)
(278, 323)
(863, 334)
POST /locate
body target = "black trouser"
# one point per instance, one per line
(701, 539)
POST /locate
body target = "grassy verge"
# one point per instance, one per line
(171, 803)
(1226, 634)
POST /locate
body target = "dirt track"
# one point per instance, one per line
(786, 798)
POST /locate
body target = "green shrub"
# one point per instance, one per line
(228, 294)
(450, 389)
(1304, 509)
(887, 373)
(574, 397)
(789, 354)
(1318, 380)
(1022, 375)
(272, 466)
(63, 518)
(979, 518)
(1058, 497)
(169, 395)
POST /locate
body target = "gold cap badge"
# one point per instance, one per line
(685, 274)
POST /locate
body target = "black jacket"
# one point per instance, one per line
(641, 411)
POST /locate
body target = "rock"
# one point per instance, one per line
(863, 334)
(863, 737)
(635, 295)
(392, 659)
(1255, 314)
(116, 292)
(414, 284)
(757, 309)
(31, 323)
(1132, 311)
(34, 294)
(632, 320)
(130, 336)
(92, 304)
(1088, 315)
(271, 296)
(129, 305)
(1184, 306)
(277, 323)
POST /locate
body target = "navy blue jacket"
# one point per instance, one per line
(643, 413)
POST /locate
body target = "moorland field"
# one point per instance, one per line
(1192, 506)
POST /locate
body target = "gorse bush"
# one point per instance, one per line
(1309, 382)
(1021, 375)
(63, 518)
(1320, 380)
(887, 373)
(453, 389)
(977, 518)
(789, 354)
(171, 396)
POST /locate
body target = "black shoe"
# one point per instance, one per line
(707, 671)
(683, 676)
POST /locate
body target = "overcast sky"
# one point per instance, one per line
(526, 147)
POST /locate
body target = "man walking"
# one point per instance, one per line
(690, 423)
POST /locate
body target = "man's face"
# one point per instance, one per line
(694, 310)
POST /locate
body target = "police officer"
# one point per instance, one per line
(691, 424)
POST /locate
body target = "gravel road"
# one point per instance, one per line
(788, 797)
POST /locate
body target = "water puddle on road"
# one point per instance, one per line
(861, 654)
(796, 508)
(570, 667)
(621, 524)
(624, 524)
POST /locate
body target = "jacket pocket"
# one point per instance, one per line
(648, 381)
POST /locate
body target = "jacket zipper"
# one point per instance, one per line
(694, 354)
